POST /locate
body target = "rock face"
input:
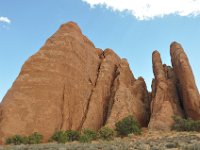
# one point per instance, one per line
(70, 84)
(96, 114)
(186, 82)
(165, 100)
(136, 101)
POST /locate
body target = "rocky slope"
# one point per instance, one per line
(71, 84)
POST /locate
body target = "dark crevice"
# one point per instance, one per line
(147, 103)
(153, 95)
(91, 93)
(66, 102)
(110, 99)
(1, 114)
(150, 98)
(180, 96)
(62, 108)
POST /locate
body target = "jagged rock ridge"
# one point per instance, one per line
(71, 84)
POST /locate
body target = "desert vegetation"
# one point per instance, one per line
(123, 128)
(88, 136)
(127, 125)
(122, 137)
(182, 124)
(34, 138)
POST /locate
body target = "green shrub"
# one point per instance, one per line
(17, 140)
(87, 136)
(72, 135)
(65, 136)
(92, 134)
(84, 139)
(127, 126)
(106, 133)
(25, 139)
(59, 136)
(35, 138)
(185, 124)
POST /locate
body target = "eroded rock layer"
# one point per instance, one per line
(70, 84)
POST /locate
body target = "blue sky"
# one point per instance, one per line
(132, 32)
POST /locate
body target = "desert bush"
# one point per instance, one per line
(65, 136)
(84, 139)
(72, 135)
(59, 136)
(127, 126)
(87, 136)
(185, 124)
(35, 138)
(92, 134)
(106, 133)
(17, 140)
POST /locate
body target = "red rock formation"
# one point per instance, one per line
(130, 98)
(70, 84)
(53, 88)
(96, 114)
(165, 100)
(186, 81)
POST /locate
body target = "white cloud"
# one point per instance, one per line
(5, 20)
(148, 9)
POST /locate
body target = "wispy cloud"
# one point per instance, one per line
(5, 19)
(148, 9)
